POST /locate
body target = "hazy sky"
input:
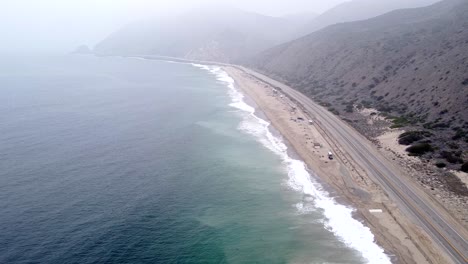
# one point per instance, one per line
(61, 25)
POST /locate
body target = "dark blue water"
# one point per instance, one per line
(113, 160)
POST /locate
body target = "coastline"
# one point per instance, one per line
(394, 230)
(339, 219)
(403, 241)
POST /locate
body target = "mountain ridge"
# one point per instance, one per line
(410, 64)
(222, 35)
(357, 10)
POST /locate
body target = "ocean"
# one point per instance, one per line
(126, 160)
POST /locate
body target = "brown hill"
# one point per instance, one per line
(355, 10)
(411, 64)
(218, 34)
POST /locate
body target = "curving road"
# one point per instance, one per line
(446, 231)
(450, 235)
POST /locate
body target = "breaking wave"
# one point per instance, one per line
(338, 217)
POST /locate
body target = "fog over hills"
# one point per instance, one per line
(358, 10)
(229, 34)
(221, 35)
(409, 63)
(301, 19)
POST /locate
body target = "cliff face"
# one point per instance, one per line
(221, 35)
(410, 63)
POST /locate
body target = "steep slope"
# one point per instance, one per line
(222, 35)
(359, 10)
(410, 63)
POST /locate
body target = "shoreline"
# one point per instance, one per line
(393, 229)
(402, 241)
(340, 217)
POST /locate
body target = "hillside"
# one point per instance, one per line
(411, 65)
(301, 19)
(221, 35)
(358, 10)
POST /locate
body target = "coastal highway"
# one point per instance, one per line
(449, 234)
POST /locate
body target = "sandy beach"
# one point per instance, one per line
(402, 240)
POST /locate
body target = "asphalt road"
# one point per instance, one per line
(450, 235)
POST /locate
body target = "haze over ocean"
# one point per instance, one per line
(124, 160)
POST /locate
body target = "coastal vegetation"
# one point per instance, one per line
(408, 65)
(464, 167)
(419, 149)
(407, 138)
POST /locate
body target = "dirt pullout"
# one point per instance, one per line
(436, 181)
(404, 241)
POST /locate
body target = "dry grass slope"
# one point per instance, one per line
(411, 65)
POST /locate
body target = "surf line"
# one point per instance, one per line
(338, 218)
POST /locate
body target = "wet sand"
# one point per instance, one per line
(403, 241)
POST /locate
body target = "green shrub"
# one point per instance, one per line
(349, 108)
(334, 111)
(452, 157)
(436, 124)
(399, 122)
(419, 149)
(366, 104)
(464, 167)
(410, 137)
(459, 134)
(427, 125)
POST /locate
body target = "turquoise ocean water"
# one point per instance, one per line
(125, 160)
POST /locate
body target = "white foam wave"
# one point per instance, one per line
(204, 67)
(338, 217)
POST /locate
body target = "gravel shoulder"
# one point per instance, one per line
(393, 230)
